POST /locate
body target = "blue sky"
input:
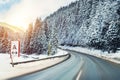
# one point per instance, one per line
(5, 5)
(22, 12)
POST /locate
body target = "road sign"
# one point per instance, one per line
(15, 48)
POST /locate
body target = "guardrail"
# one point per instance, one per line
(16, 63)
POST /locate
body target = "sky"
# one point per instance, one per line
(22, 12)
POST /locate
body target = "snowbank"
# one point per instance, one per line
(7, 71)
(114, 57)
(25, 57)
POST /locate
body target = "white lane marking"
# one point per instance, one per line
(80, 72)
(78, 77)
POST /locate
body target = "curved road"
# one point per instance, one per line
(78, 67)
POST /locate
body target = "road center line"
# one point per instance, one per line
(80, 72)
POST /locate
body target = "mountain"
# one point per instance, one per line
(11, 27)
(88, 23)
(9, 33)
(85, 23)
(13, 31)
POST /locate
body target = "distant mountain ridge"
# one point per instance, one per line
(9, 33)
(13, 28)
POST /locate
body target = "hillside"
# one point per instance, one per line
(7, 34)
(84, 23)
(11, 27)
(88, 23)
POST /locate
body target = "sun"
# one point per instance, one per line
(23, 24)
(18, 20)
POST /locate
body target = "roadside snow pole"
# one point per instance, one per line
(15, 50)
(11, 59)
(49, 49)
(18, 48)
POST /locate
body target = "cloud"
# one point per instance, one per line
(4, 1)
(26, 11)
(6, 4)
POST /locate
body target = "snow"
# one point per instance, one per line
(114, 57)
(91, 25)
(25, 57)
(7, 69)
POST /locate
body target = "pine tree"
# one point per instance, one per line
(27, 39)
(2, 30)
(53, 43)
(34, 39)
(37, 25)
(113, 37)
(5, 43)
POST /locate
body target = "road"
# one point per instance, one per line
(78, 67)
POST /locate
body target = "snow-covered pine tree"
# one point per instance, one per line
(112, 37)
(42, 41)
(53, 43)
(35, 34)
(27, 39)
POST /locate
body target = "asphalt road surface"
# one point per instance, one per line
(78, 67)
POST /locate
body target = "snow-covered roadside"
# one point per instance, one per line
(114, 57)
(25, 57)
(7, 71)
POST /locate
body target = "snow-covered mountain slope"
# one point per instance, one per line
(88, 23)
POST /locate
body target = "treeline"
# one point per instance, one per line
(4, 42)
(6, 36)
(88, 23)
(39, 39)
